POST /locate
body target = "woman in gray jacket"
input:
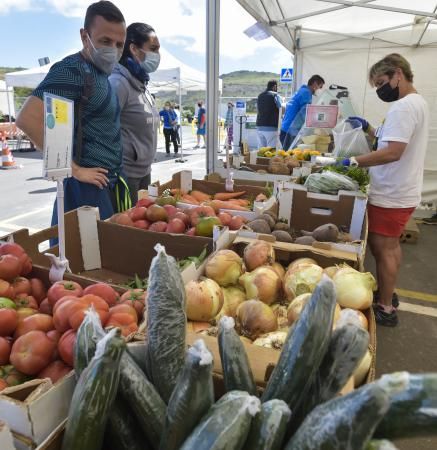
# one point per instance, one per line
(138, 114)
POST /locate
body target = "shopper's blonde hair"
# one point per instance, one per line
(388, 66)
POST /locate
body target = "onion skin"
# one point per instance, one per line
(331, 271)
(233, 296)
(362, 370)
(298, 261)
(255, 318)
(279, 269)
(274, 340)
(281, 313)
(204, 300)
(354, 289)
(258, 253)
(263, 283)
(349, 315)
(224, 267)
(295, 308)
(295, 284)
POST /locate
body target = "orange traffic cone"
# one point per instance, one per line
(7, 158)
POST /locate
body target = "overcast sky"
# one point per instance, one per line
(32, 29)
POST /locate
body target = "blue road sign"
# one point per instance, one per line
(286, 75)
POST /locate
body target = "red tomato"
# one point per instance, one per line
(225, 218)
(25, 301)
(21, 285)
(32, 352)
(61, 289)
(45, 307)
(146, 202)
(55, 371)
(10, 267)
(176, 226)
(54, 335)
(200, 212)
(184, 217)
(3, 384)
(66, 347)
(142, 224)
(78, 309)
(25, 312)
(138, 213)
(41, 322)
(103, 290)
(18, 251)
(38, 289)
(5, 351)
(124, 321)
(191, 232)
(236, 222)
(6, 289)
(125, 309)
(135, 298)
(61, 312)
(8, 321)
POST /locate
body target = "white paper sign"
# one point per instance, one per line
(58, 136)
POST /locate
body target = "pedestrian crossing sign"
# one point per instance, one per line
(286, 75)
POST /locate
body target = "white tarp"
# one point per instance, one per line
(340, 40)
(6, 107)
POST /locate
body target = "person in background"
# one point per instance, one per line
(396, 173)
(168, 117)
(83, 78)
(139, 116)
(178, 123)
(229, 126)
(201, 125)
(269, 104)
(295, 110)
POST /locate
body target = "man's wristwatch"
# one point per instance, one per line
(353, 162)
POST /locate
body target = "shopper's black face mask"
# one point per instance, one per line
(388, 94)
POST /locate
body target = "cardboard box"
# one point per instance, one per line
(34, 409)
(411, 233)
(6, 438)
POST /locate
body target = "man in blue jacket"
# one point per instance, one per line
(295, 110)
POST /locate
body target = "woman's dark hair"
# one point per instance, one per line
(315, 79)
(137, 33)
(105, 9)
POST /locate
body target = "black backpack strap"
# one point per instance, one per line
(87, 92)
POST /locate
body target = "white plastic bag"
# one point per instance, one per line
(349, 140)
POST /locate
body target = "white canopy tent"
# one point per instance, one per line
(6, 99)
(341, 39)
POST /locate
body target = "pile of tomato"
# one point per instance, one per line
(38, 323)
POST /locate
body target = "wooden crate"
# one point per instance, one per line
(411, 232)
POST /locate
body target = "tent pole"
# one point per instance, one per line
(181, 159)
(9, 107)
(212, 81)
(296, 56)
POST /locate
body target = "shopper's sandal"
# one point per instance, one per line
(384, 317)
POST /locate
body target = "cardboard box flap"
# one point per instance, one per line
(6, 439)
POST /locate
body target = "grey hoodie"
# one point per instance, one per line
(139, 122)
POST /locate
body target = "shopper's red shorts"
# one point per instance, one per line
(388, 221)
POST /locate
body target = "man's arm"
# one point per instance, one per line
(391, 153)
(31, 120)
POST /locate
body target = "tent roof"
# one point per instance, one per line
(333, 24)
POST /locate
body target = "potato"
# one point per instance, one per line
(269, 219)
(282, 236)
(259, 226)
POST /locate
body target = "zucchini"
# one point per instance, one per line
(122, 431)
(343, 423)
(304, 348)
(166, 323)
(226, 425)
(413, 406)
(237, 373)
(89, 333)
(143, 399)
(380, 445)
(192, 397)
(268, 428)
(94, 396)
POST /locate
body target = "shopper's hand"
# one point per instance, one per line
(343, 162)
(354, 120)
(91, 175)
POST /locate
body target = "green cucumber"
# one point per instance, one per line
(304, 348)
(166, 323)
(136, 350)
(94, 396)
(122, 431)
(143, 399)
(237, 373)
(88, 334)
(413, 406)
(380, 445)
(192, 397)
(343, 423)
(226, 425)
(268, 428)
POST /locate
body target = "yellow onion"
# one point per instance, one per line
(301, 279)
(353, 316)
(263, 283)
(258, 253)
(255, 318)
(337, 313)
(232, 296)
(204, 299)
(362, 370)
(274, 340)
(279, 269)
(224, 267)
(331, 271)
(281, 313)
(354, 289)
(298, 261)
(295, 308)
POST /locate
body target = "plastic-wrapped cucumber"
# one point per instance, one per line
(94, 395)
(330, 183)
(192, 397)
(166, 323)
(122, 431)
(226, 425)
(268, 428)
(89, 333)
(304, 348)
(237, 373)
(380, 445)
(413, 406)
(343, 423)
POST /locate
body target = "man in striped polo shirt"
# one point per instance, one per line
(83, 78)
